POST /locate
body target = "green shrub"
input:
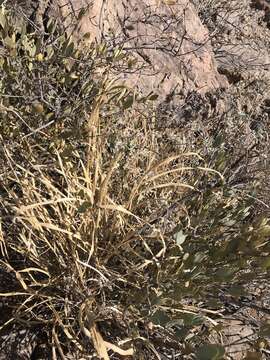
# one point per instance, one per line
(108, 236)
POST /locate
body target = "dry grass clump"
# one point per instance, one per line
(79, 239)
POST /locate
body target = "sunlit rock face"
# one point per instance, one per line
(170, 50)
(171, 47)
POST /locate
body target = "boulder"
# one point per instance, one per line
(171, 47)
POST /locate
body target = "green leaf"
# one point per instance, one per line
(218, 141)
(51, 26)
(210, 352)
(84, 207)
(237, 291)
(188, 320)
(160, 318)
(81, 13)
(180, 237)
(70, 49)
(192, 320)
(181, 333)
(224, 274)
(2, 18)
(153, 97)
(10, 41)
(128, 102)
(49, 51)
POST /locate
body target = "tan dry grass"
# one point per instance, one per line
(80, 236)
